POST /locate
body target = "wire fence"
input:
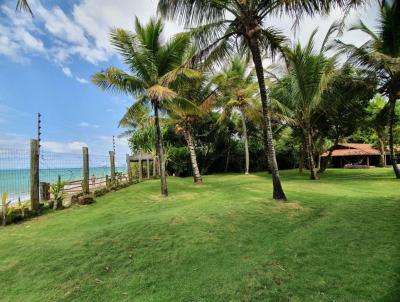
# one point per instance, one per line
(15, 170)
(15, 173)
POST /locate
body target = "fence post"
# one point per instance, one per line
(148, 168)
(128, 167)
(154, 166)
(35, 176)
(85, 182)
(112, 165)
(140, 168)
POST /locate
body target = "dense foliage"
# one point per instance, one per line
(207, 102)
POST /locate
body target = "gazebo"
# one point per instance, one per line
(354, 154)
(140, 158)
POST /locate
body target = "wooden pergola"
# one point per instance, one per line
(140, 158)
(353, 154)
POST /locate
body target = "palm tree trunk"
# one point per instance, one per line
(302, 156)
(326, 159)
(393, 160)
(227, 159)
(193, 158)
(278, 193)
(382, 160)
(309, 144)
(246, 142)
(160, 152)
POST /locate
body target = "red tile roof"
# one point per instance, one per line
(353, 150)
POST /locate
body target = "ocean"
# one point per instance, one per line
(16, 182)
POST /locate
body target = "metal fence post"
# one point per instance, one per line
(34, 176)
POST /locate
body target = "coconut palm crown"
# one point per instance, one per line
(239, 89)
(307, 78)
(153, 67)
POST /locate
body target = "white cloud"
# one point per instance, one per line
(89, 125)
(67, 71)
(63, 147)
(82, 81)
(121, 143)
(12, 142)
(84, 31)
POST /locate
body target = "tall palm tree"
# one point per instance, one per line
(308, 75)
(199, 100)
(221, 26)
(153, 66)
(381, 54)
(239, 92)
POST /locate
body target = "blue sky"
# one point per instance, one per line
(46, 63)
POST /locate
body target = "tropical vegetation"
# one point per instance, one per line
(154, 67)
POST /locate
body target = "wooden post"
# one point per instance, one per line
(35, 176)
(148, 168)
(128, 167)
(154, 166)
(85, 181)
(112, 165)
(368, 161)
(140, 168)
(44, 191)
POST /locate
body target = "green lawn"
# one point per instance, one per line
(337, 239)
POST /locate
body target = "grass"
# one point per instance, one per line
(337, 239)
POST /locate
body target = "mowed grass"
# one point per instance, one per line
(337, 239)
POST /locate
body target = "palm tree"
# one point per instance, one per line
(301, 90)
(239, 92)
(198, 94)
(381, 54)
(23, 5)
(136, 117)
(153, 66)
(377, 110)
(222, 26)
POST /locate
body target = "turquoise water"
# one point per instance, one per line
(16, 182)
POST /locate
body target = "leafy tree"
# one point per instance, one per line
(381, 54)
(239, 92)
(344, 106)
(154, 66)
(301, 90)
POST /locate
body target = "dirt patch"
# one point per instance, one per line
(290, 208)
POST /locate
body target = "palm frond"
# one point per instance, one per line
(23, 5)
(116, 80)
(160, 93)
